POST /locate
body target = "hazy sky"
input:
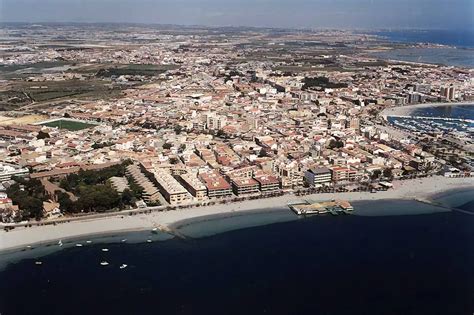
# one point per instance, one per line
(433, 14)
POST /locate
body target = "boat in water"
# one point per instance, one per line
(79, 245)
(60, 243)
(104, 263)
(123, 266)
(38, 263)
(105, 249)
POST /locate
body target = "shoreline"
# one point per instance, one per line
(20, 237)
(408, 110)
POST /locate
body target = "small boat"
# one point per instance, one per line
(148, 241)
(124, 240)
(105, 249)
(88, 242)
(60, 243)
(123, 266)
(78, 245)
(38, 263)
(104, 263)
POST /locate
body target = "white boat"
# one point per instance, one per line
(38, 263)
(124, 240)
(105, 249)
(78, 245)
(123, 266)
(88, 242)
(60, 243)
(104, 263)
(148, 241)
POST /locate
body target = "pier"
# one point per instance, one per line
(334, 207)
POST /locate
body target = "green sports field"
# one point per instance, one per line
(68, 124)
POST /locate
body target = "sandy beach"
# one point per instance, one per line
(410, 189)
(409, 109)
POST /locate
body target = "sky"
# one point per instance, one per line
(343, 14)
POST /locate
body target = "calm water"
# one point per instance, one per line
(462, 56)
(458, 38)
(451, 111)
(357, 264)
(444, 56)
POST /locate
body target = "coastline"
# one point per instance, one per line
(409, 109)
(417, 189)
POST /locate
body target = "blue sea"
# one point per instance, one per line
(461, 52)
(448, 111)
(457, 38)
(389, 257)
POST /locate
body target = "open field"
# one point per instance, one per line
(10, 100)
(42, 94)
(27, 70)
(104, 70)
(23, 120)
(45, 91)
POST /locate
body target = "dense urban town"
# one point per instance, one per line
(98, 119)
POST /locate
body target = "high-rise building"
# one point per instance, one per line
(448, 92)
(422, 88)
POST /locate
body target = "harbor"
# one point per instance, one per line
(334, 207)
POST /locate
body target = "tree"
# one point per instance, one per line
(29, 196)
(98, 198)
(376, 174)
(32, 208)
(65, 203)
(127, 197)
(42, 135)
(335, 144)
(135, 188)
(178, 129)
(387, 173)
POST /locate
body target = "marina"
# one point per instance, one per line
(334, 207)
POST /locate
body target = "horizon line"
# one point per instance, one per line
(307, 28)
